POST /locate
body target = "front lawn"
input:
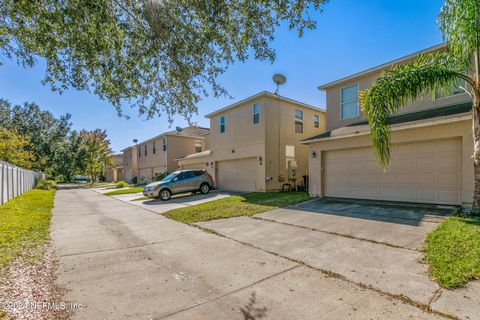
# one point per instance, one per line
(124, 191)
(24, 224)
(247, 204)
(453, 251)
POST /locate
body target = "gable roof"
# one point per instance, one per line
(380, 67)
(187, 132)
(263, 94)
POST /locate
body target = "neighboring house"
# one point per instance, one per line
(157, 155)
(254, 143)
(430, 153)
(114, 172)
(130, 168)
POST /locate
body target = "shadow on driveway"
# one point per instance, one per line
(393, 212)
(190, 197)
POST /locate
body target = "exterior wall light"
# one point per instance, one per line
(260, 160)
(211, 164)
(314, 154)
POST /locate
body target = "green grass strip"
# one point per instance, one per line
(24, 224)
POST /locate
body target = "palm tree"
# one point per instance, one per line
(459, 22)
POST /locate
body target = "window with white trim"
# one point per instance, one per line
(164, 144)
(298, 121)
(316, 121)
(198, 146)
(298, 114)
(454, 89)
(145, 150)
(349, 102)
(256, 113)
(154, 150)
(222, 124)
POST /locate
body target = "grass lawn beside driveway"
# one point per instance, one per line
(24, 224)
(453, 251)
(124, 191)
(247, 204)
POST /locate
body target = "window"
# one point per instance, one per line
(154, 150)
(316, 121)
(145, 150)
(349, 102)
(256, 113)
(298, 127)
(198, 146)
(139, 152)
(222, 124)
(298, 121)
(299, 114)
(453, 90)
(164, 144)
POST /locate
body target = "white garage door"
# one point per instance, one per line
(238, 175)
(427, 171)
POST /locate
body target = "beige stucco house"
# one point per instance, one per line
(114, 171)
(157, 155)
(430, 154)
(255, 143)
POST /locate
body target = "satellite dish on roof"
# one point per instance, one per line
(178, 129)
(279, 79)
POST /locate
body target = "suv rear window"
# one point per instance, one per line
(198, 173)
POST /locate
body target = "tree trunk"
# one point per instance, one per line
(476, 155)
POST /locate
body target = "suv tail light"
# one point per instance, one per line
(211, 178)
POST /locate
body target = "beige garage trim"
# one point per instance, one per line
(425, 172)
(239, 174)
(199, 165)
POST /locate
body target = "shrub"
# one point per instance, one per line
(45, 184)
(121, 184)
(134, 180)
(160, 175)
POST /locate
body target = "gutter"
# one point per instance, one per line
(393, 129)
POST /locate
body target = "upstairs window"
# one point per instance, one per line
(298, 114)
(349, 102)
(164, 144)
(256, 113)
(198, 146)
(139, 152)
(222, 124)
(145, 150)
(316, 121)
(298, 127)
(454, 89)
(154, 150)
(298, 121)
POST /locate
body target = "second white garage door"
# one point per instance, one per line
(238, 174)
(427, 171)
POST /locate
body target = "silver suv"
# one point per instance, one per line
(178, 182)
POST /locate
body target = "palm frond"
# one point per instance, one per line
(401, 85)
(459, 22)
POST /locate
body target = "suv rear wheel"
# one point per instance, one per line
(204, 188)
(165, 194)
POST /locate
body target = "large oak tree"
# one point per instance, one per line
(158, 56)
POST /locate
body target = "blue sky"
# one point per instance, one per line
(351, 36)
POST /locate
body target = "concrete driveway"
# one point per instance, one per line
(124, 262)
(377, 245)
(177, 201)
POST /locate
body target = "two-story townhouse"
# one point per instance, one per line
(158, 154)
(114, 171)
(430, 152)
(130, 163)
(255, 143)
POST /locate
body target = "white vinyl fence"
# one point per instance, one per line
(15, 180)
